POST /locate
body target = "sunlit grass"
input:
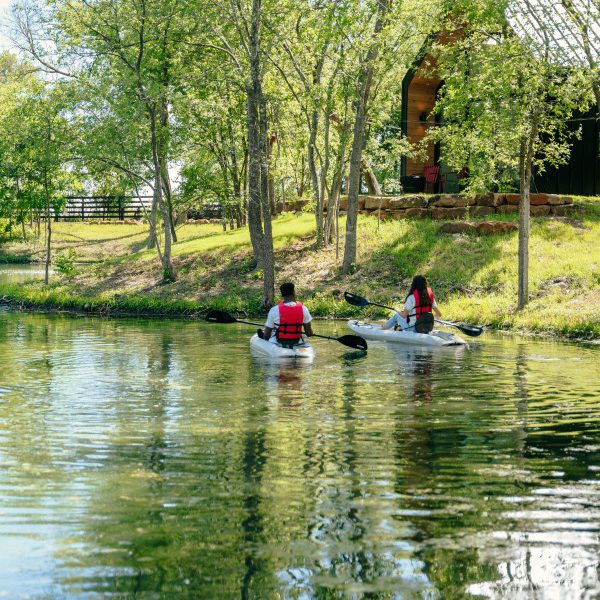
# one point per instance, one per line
(474, 277)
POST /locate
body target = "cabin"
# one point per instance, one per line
(580, 176)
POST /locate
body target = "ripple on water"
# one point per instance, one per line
(160, 457)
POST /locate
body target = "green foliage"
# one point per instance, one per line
(64, 262)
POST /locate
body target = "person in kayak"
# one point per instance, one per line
(419, 300)
(286, 320)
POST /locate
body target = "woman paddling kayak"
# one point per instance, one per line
(419, 300)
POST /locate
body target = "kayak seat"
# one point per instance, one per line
(260, 333)
(424, 323)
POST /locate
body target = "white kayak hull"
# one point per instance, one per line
(303, 351)
(372, 331)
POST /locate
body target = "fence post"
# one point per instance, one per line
(83, 209)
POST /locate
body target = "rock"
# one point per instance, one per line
(458, 227)
(539, 211)
(561, 209)
(361, 203)
(374, 202)
(448, 213)
(538, 199)
(513, 199)
(491, 227)
(395, 214)
(449, 201)
(418, 212)
(344, 203)
(400, 202)
(507, 208)
(556, 200)
(482, 211)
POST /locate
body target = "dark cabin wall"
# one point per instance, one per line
(581, 175)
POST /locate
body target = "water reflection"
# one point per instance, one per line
(157, 457)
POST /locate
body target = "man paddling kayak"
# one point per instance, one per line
(286, 320)
(419, 300)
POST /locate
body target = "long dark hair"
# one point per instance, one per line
(419, 283)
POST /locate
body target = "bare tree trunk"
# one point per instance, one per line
(336, 184)
(268, 254)
(358, 138)
(48, 230)
(169, 273)
(254, 208)
(372, 184)
(525, 168)
(152, 240)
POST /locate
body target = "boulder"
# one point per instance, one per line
(418, 212)
(539, 211)
(343, 202)
(448, 213)
(507, 208)
(482, 211)
(449, 201)
(491, 227)
(395, 214)
(513, 199)
(556, 200)
(538, 199)
(561, 209)
(400, 202)
(374, 202)
(458, 227)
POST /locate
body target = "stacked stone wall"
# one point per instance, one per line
(456, 206)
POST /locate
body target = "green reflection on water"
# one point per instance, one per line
(161, 457)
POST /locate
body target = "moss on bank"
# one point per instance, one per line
(474, 277)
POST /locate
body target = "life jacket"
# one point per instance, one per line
(419, 310)
(291, 318)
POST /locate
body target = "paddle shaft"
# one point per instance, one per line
(325, 337)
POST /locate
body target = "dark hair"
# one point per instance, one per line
(419, 283)
(287, 289)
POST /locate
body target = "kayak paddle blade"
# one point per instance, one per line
(353, 341)
(471, 330)
(219, 316)
(355, 300)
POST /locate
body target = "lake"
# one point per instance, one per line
(158, 458)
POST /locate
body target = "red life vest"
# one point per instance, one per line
(291, 318)
(425, 308)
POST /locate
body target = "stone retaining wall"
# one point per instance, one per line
(454, 206)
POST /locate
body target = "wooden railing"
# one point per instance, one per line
(105, 208)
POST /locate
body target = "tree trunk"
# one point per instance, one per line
(268, 254)
(48, 230)
(169, 273)
(525, 168)
(152, 239)
(336, 185)
(371, 180)
(254, 205)
(312, 170)
(364, 90)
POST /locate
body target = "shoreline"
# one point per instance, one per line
(105, 310)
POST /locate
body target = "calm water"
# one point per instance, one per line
(159, 459)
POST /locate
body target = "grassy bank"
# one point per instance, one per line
(474, 277)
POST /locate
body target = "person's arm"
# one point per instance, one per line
(436, 311)
(270, 323)
(307, 321)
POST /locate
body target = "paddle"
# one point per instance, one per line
(352, 341)
(471, 330)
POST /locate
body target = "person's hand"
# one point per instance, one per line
(398, 310)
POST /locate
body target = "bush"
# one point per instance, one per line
(64, 262)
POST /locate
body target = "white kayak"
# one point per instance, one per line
(302, 351)
(372, 331)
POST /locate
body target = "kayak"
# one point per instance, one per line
(372, 331)
(304, 350)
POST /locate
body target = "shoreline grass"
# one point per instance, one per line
(474, 277)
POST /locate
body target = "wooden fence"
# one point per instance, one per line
(104, 208)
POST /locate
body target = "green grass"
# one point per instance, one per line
(474, 277)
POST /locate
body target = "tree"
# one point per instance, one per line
(505, 108)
